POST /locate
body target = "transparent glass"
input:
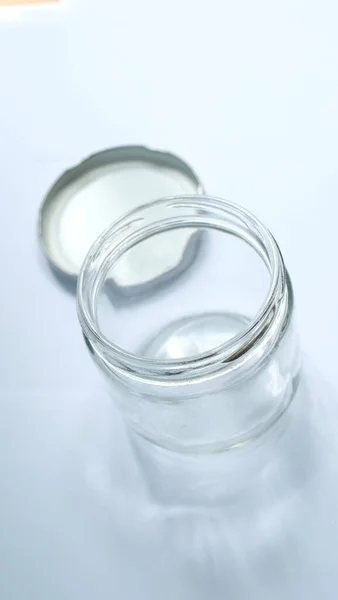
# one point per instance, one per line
(237, 455)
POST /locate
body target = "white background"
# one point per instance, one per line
(247, 93)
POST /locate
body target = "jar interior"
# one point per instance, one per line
(204, 303)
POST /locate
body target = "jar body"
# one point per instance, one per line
(189, 442)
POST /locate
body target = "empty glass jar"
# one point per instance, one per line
(204, 365)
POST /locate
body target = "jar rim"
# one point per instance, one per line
(146, 222)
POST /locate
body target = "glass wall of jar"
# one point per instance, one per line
(200, 362)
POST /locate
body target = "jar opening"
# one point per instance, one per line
(188, 216)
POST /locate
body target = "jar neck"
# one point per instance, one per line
(218, 367)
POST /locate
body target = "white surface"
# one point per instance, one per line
(247, 92)
(84, 209)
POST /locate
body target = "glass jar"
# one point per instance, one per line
(205, 369)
